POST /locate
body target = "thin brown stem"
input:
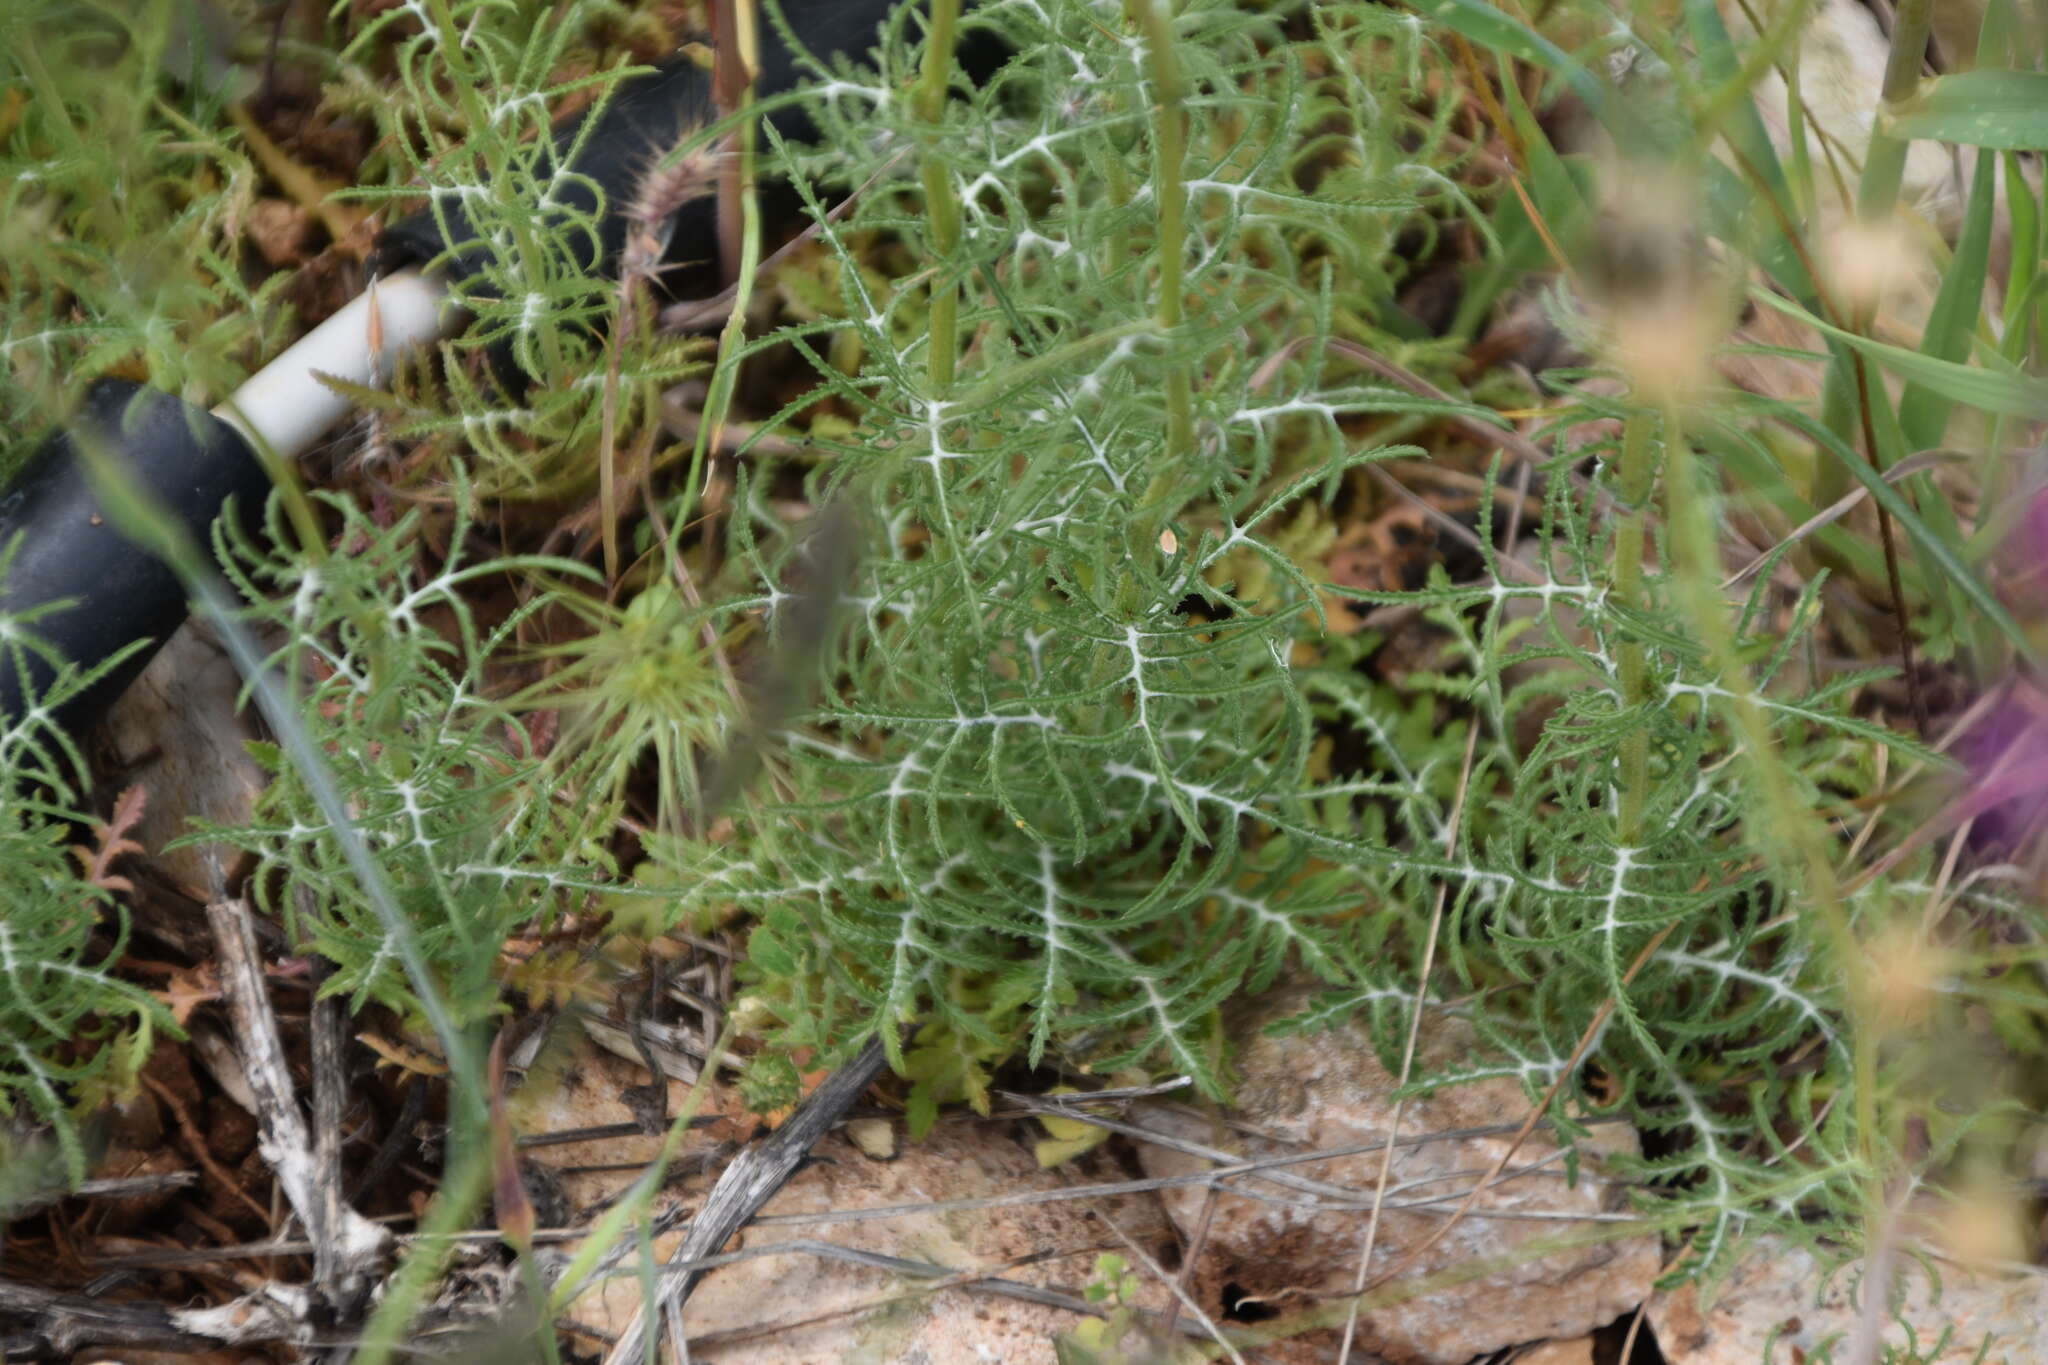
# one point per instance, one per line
(1893, 583)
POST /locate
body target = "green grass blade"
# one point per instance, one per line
(2006, 391)
(1938, 551)
(2023, 212)
(1923, 412)
(1730, 195)
(1502, 33)
(1562, 192)
(2003, 109)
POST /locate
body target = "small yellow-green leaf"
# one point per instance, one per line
(1053, 1151)
(876, 1138)
(1070, 1136)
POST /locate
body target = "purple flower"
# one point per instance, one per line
(2006, 753)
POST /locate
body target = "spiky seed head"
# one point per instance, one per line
(671, 182)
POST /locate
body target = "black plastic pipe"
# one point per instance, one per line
(108, 592)
(645, 118)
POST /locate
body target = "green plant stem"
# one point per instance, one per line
(1116, 253)
(1169, 184)
(1792, 835)
(1638, 475)
(455, 1203)
(942, 209)
(733, 336)
(1877, 195)
(1884, 165)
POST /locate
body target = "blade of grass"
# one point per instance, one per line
(1732, 198)
(1774, 42)
(2007, 110)
(2024, 216)
(1884, 165)
(1923, 412)
(1945, 558)
(466, 1173)
(1536, 224)
(1489, 27)
(2004, 390)
(1755, 469)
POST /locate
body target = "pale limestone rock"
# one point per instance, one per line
(875, 1137)
(177, 733)
(953, 1327)
(1329, 1090)
(1777, 1308)
(1577, 1351)
(862, 1314)
(1842, 56)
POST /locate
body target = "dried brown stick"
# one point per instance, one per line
(342, 1288)
(1270, 1170)
(600, 1131)
(299, 1246)
(751, 1181)
(1082, 1104)
(56, 1325)
(1230, 1165)
(112, 1187)
(346, 1246)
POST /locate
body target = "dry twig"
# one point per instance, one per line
(1436, 920)
(751, 1181)
(347, 1248)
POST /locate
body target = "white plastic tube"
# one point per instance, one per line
(286, 408)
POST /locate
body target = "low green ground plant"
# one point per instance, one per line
(1091, 359)
(75, 1034)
